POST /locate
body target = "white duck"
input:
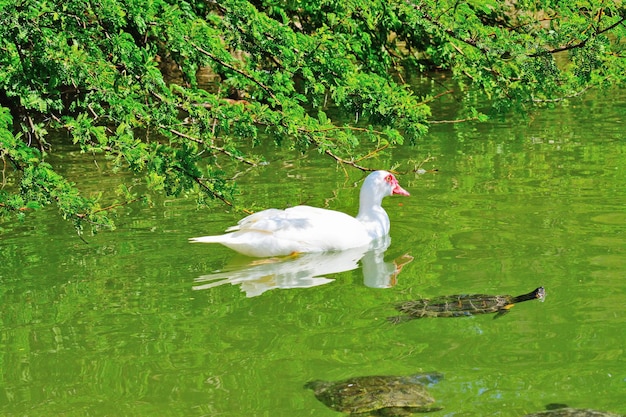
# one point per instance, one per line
(298, 229)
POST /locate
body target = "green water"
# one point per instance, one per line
(121, 325)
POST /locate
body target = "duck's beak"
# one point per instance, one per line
(399, 190)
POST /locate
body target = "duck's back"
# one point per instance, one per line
(276, 232)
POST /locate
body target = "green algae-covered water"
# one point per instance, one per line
(138, 322)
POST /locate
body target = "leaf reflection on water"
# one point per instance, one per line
(309, 270)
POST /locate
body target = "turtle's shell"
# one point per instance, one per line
(455, 305)
(462, 305)
(376, 393)
(573, 412)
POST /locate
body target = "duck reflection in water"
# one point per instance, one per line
(309, 270)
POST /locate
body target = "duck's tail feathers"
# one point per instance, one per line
(207, 239)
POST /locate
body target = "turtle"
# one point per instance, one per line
(378, 395)
(462, 305)
(573, 412)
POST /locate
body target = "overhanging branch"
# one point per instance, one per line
(581, 43)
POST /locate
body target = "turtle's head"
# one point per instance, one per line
(540, 293)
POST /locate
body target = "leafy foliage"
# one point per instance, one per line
(121, 78)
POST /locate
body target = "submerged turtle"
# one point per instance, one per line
(573, 412)
(462, 305)
(378, 395)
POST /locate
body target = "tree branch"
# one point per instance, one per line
(212, 147)
(435, 97)
(208, 189)
(345, 161)
(83, 216)
(556, 100)
(581, 43)
(238, 71)
(467, 119)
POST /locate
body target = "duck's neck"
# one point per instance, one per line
(373, 216)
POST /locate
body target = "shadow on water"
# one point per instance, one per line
(307, 270)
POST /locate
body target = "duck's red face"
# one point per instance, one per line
(395, 186)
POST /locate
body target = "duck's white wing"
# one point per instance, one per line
(297, 229)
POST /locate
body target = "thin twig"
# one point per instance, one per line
(374, 152)
(4, 169)
(435, 97)
(213, 193)
(345, 161)
(328, 129)
(213, 147)
(581, 43)
(13, 208)
(468, 119)
(556, 100)
(111, 207)
(238, 71)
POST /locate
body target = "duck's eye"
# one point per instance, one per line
(389, 178)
